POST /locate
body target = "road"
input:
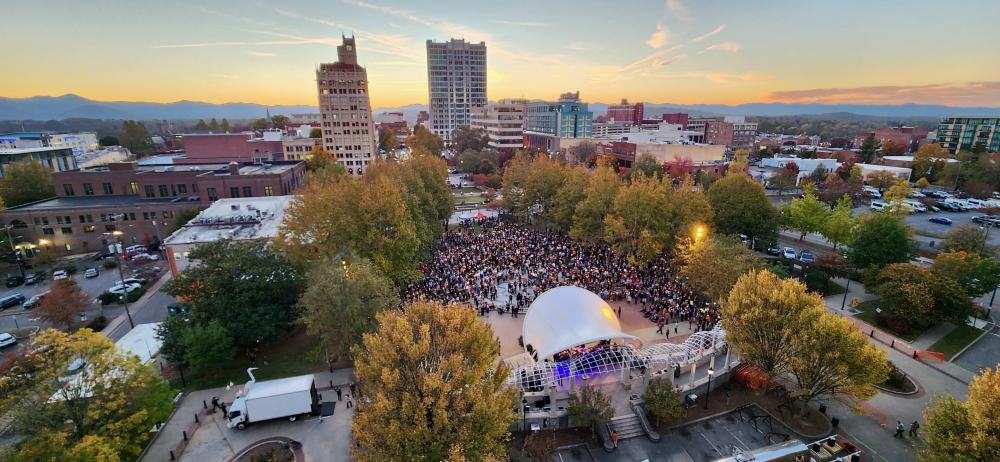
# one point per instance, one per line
(153, 309)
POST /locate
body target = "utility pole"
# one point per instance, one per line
(119, 250)
(10, 240)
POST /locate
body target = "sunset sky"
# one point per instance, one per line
(658, 51)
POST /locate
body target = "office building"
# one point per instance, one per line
(963, 133)
(744, 133)
(503, 121)
(345, 109)
(626, 112)
(610, 128)
(718, 132)
(548, 122)
(55, 159)
(80, 143)
(678, 118)
(456, 81)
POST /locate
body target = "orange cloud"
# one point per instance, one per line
(960, 94)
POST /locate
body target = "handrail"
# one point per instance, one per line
(640, 411)
(605, 432)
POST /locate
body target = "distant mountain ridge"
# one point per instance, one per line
(74, 106)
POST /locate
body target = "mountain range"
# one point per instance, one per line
(74, 106)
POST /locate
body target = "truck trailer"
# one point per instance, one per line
(273, 399)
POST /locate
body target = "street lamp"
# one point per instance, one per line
(10, 240)
(699, 232)
(524, 418)
(709, 389)
(118, 249)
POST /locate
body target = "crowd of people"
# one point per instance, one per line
(496, 264)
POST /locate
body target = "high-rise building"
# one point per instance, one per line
(963, 133)
(456, 81)
(503, 121)
(345, 109)
(548, 122)
(626, 112)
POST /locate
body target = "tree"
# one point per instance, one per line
(25, 181)
(783, 179)
(466, 138)
(387, 141)
(740, 163)
(570, 193)
(170, 332)
(806, 214)
(925, 160)
(64, 304)
(321, 165)
(663, 400)
(679, 167)
(835, 188)
(881, 180)
(224, 126)
(977, 274)
(213, 125)
(108, 140)
(279, 121)
(713, 265)
(893, 148)
(967, 238)
(106, 408)
(647, 166)
(258, 124)
(742, 207)
(639, 223)
(878, 240)
(763, 315)
(423, 138)
(898, 193)
(247, 286)
(839, 223)
(484, 161)
(599, 196)
(819, 175)
(201, 125)
(583, 151)
(832, 357)
(206, 346)
(869, 149)
(135, 137)
(430, 381)
(923, 183)
(589, 408)
(341, 302)
(317, 132)
(182, 217)
(919, 297)
(960, 432)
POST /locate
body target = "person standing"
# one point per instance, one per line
(339, 393)
(614, 437)
(913, 428)
(899, 429)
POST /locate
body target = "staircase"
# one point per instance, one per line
(627, 426)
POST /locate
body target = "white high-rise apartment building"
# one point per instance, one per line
(456, 81)
(345, 110)
(503, 121)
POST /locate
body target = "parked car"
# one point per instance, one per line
(59, 274)
(871, 191)
(91, 273)
(789, 253)
(915, 206)
(879, 206)
(7, 340)
(774, 250)
(178, 308)
(941, 220)
(14, 280)
(135, 280)
(34, 301)
(102, 255)
(34, 278)
(983, 219)
(11, 300)
(136, 248)
(145, 257)
(119, 289)
(807, 256)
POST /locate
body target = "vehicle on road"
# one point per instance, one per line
(7, 340)
(178, 308)
(133, 249)
(102, 255)
(774, 250)
(11, 300)
(878, 206)
(941, 220)
(34, 278)
(91, 273)
(984, 219)
(807, 256)
(788, 253)
(14, 280)
(59, 274)
(145, 257)
(34, 301)
(119, 289)
(273, 399)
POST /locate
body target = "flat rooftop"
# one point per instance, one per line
(96, 202)
(31, 150)
(237, 218)
(211, 168)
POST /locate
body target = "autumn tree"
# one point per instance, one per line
(423, 138)
(835, 188)
(430, 381)
(342, 300)
(783, 179)
(599, 196)
(928, 161)
(881, 180)
(740, 163)
(960, 432)
(742, 207)
(321, 165)
(879, 240)
(977, 274)
(257, 124)
(713, 265)
(589, 407)
(570, 193)
(387, 141)
(583, 151)
(469, 139)
(967, 238)
(224, 126)
(542, 184)
(483, 161)
(920, 297)
(104, 407)
(515, 184)
(201, 126)
(898, 193)
(64, 304)
(893, 148)
(839, 223)
(279, 121)
(679, 167)
(638, 224)
(805, 214)
(25, 181)
(763, 314)
(316, 132)
(663, 400)
(213, 125)
(646, 165)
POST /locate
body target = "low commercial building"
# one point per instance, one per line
(234, 219)
(297, 148)
(503, 121)
(610, 128)
(55, 159)
(744, 133)
(902, 173)
(806, 166)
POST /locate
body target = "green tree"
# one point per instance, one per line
(135, 137)
(599, 196)
(321, 165)
(869, 149)
(964, 432)
(742, 207)
(423, 138)
(108, 140)
(182, 218)
(589, 408)
(839, 224)
(878, 240)
(977, 274)
(213, 125)
(25, 181)
(783, 180)
(925, 158)
(570, 193)
(646, 165)
(967, 238)
(515, 183)
(881, 180)
(806, 214)
(921, 298)
(583, 151)
(279, 121)
(466, 138)
(224, 126)
(713, 265)
(257, 124)
(170, 332)
(206, 346)
(639, 223)
(663, 400)
(342, 300)
(430, 382)
(316, 132)
(201, 125)
(247, 286)
(484, 161)
(387, 141)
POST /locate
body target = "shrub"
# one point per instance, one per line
(135, 294)
(817, 280)
(71, 269)
(97, 324)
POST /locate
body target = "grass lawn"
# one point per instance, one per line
(468, 189)
(867, 314)
(292, 355)
(469, 200)
(957, 339)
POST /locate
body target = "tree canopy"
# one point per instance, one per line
(63, 304)
(135, 137)
(967, 238)
(466, 139)
(742, 207)
(961, 432)
(977, 274)
(713, 265)
(25, 181)
(878, 240)
(387, 141)
(921, 297)
(484, 161)
(423, 138)
(806, 214)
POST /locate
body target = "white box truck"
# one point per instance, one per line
(273, 399)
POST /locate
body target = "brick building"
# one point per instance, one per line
(718, 132)
(626, 112)
(677, 118)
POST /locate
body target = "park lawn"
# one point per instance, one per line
(469, 200)
(867, 314)
(468, 189)
(289, 356)
(926, 233)
(955, 340)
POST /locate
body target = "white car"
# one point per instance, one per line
(119, 289)
(145, 256)
(137, 248)
(90, 273)
(789, 253)
(7, 340)
(61, 274)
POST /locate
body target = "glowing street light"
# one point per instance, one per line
(699, 232)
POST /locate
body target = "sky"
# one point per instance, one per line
(656, 51)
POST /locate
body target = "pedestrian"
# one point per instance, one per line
(338, 393)
(353, 388)
(899, 429)
(215, 403)
(675, 327)
(619, 312)
(614, 437)
(349, 402)
(659, 327)
(913, 428)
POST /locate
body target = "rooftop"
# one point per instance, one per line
(240, 219)
(214, 168)
(96, 202)
(30, 150)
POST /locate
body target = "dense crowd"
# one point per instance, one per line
(495, 264)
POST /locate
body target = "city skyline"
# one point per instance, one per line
(670, 51)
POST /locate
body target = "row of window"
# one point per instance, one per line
(133, 188)
(234, 192)
(343, 91)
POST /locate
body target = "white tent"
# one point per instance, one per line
(565, 317)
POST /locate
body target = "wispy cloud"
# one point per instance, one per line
(447, 27)
(659, 38)
(676, 6)
(732, 47)
(706, 35)
(965, 94)
(658, 63)
(201, 45)
(521, 23)
(577, 46)
(263, 54)
(650, 58)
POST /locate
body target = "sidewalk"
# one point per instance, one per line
(135, 306)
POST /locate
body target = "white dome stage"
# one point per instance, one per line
(566, 317)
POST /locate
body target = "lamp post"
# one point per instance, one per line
(708, 390)
(117, 235)
(10, 240)
(524, 418)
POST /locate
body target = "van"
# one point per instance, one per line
(957, 205)
(11, 300)
(872, 191)
(976, 203)
(879, 206)
(915, 206)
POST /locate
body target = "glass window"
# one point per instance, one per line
(268, 190)
(88, 229)
(67, 230)
(182, 188)
(68, 189)
(107, 188)
(168, 214)
(88, 189)
(247, 191)
(212, 194)
(149, 190)
(234, 192)
(134, 187)
(48, 231)
(163, 191)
